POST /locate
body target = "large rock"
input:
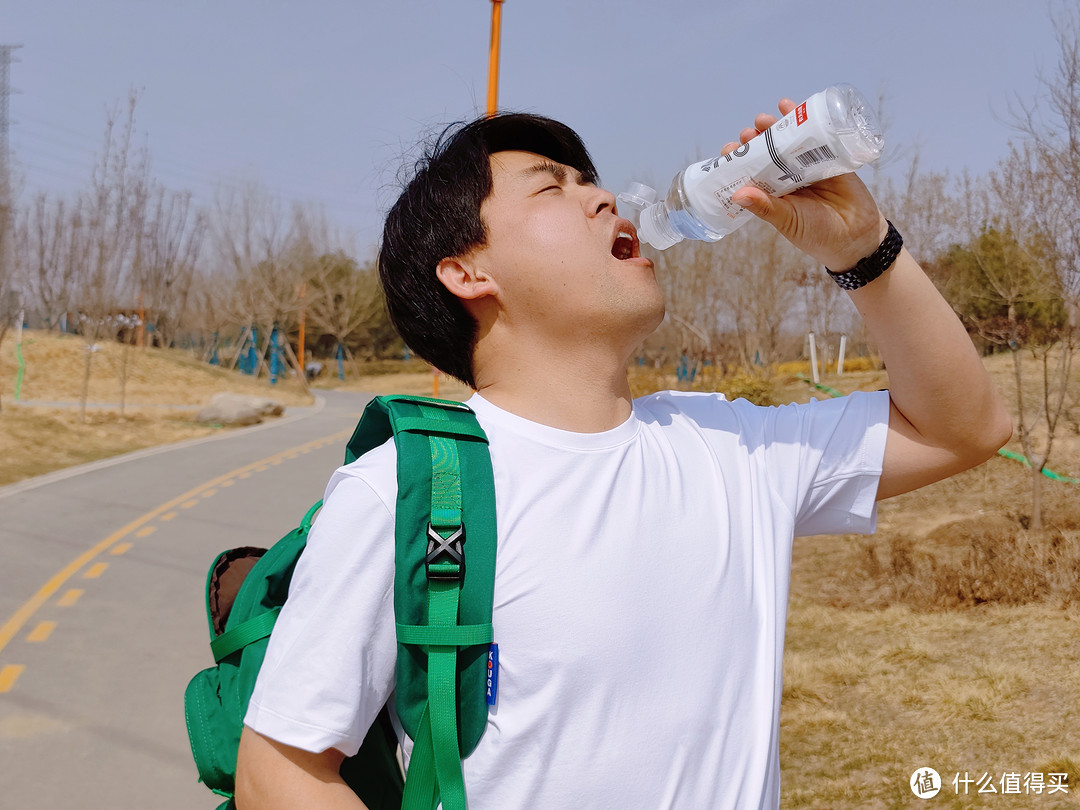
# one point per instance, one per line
(235, 410)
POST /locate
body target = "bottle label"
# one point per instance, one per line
(784, 158)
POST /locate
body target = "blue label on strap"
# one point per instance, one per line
(492, 674)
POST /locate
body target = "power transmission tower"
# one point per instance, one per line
(7, 201)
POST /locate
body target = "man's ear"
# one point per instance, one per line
(465, 278)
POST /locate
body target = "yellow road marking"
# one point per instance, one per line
(209, 493)
(167, 516)
(20, 617)
(146, 531)
(70, 598)
(8, 676)
(122, 548)
(95, 570)
(41, 632)
(228, 483)
(188, 504)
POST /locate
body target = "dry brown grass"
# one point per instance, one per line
(956, 545)
(54, 373)
(951, 639)
(39, 440)
(869, 696)
(785, 386)
(36, 439)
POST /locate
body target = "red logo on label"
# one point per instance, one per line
(800, 114)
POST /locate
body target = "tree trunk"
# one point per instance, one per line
(85, 384)
(123, 376)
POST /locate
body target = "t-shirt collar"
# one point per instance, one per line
(488, 413)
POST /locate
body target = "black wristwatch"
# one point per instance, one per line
(873, 265)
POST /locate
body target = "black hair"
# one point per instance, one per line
(437, 216)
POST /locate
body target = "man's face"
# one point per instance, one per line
(565, 264)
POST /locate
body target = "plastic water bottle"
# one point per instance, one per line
(832, 132)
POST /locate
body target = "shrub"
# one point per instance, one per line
(966, 563)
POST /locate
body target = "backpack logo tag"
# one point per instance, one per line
(492, 674)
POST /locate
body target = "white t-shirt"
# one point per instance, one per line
(641, 594)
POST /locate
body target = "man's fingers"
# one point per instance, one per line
(755, 200)
(777, 211)
(763, 121)
(748, 134)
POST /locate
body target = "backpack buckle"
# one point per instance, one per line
(447, 554)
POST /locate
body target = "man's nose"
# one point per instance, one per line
(600, 199)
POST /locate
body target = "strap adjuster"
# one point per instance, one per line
(447, 554)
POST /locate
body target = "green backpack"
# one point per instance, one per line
(442, 609)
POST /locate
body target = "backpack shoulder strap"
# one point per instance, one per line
(444, 583)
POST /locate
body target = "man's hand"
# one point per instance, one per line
(835, 221)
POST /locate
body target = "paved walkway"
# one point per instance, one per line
(102, 618)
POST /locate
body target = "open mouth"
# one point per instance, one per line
(626, 243)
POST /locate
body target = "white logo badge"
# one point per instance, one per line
(925, 783)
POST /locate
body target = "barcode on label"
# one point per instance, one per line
(816, 155)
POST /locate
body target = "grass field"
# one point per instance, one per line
(949, 640)
(36, 439)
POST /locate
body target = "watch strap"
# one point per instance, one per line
(873, 265)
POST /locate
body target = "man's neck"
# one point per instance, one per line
(586, 396)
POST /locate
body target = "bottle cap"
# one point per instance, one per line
(633, 201)
(639, 205)
(655, 228)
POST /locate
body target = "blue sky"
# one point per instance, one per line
(321, 101)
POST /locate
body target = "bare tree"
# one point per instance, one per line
(344, 300)
(52, 248)
(1007, 284)
(115, 212)
(925, 206)
(688, 273)
(171, 243)
(264, 249)
(10, 289)
(1037, 189)
(759, 293)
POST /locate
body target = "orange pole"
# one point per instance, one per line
(493, 59)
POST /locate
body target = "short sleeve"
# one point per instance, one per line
(825, 460)
(329, 666)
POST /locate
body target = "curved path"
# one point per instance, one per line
(102, 617)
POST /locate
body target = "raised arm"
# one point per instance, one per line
(946, 415)
(272, 776)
